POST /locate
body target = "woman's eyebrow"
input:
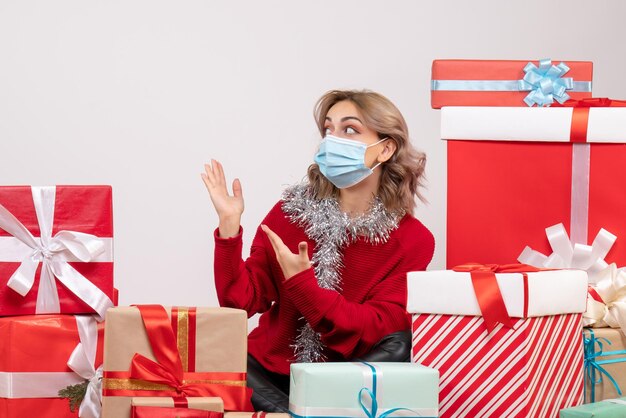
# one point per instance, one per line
(345, 119)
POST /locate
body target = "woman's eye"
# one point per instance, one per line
(326, 131)
(350, 130)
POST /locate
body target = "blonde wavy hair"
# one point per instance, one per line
(402, 175)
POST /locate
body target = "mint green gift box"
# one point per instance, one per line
(609, 408)
(362, 389)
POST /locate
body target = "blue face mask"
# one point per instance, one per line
(342, 161)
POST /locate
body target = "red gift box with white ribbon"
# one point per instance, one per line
(516, 171)
(41, 355)
(56, 250)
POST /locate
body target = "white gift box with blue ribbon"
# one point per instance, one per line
(359, 389)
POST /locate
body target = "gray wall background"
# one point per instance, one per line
(139, 94)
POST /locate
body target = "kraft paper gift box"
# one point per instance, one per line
(613, 408)
(531, 368)
(516, 172)
(151, 351)
(255, 415)
(605, 364)
(508, 82)
(56, 250)
(41, 355)
(177, 407)
(362, 389)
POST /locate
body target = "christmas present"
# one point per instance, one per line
(605, 364)
(610, 408)
(508, 83)
(606, 304)
(255, 415)
(151, 351)
(362, 389)
(517, 171)
(56, 250)
(44, 358)
(506, 340)
(177, 407)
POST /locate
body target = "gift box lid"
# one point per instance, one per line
(537, 124)
(500, 82)
(610, 408)
(448, 292)
(336, 389)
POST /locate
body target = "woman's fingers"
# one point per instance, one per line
(237, 191)
(303, 250)
(275, 240)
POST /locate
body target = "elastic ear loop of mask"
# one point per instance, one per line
(376, 143)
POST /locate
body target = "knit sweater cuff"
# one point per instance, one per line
(311, 300)
(232, 241)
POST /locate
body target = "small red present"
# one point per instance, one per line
(56, 250)
(177, 407)
(508, 83)
(40, 356)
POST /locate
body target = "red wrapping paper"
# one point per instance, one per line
(161, 412)
(85, 209)
(502, 196)
(494, 70)
(533, 370)
(39, 343)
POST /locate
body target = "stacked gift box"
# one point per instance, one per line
(529, 151)
(56, 269)
(56, 281)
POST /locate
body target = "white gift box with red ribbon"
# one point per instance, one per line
(533, 368)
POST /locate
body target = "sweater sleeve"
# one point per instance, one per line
(350, 328)
(240, 284)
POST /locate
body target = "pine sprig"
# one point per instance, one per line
(75, 393)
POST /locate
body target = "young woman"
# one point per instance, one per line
(327, 267)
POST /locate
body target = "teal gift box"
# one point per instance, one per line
(610, 408)
(359, 389)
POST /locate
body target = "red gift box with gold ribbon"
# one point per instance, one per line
(517, 171)
(41, 355)
(56, 250)
(176, 352)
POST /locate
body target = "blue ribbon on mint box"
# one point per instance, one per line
(364, 392)
(545, 84)
(593, 365)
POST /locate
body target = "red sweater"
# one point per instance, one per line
(372, 302)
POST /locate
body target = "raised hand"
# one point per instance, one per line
(229, 208)
(290, 263)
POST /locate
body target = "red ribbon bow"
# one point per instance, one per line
(168, 369)
(580, 115)
(488, 293)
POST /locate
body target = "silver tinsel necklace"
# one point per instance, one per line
(331, 229)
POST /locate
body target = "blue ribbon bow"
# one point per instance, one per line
(545, 83)
(373, 410)
(592, 365)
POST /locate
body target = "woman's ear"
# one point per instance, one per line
(389, 148)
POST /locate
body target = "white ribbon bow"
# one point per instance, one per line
(30, 385)
(82, 363)
(54, 253)
(569, 255)
(611, 311)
